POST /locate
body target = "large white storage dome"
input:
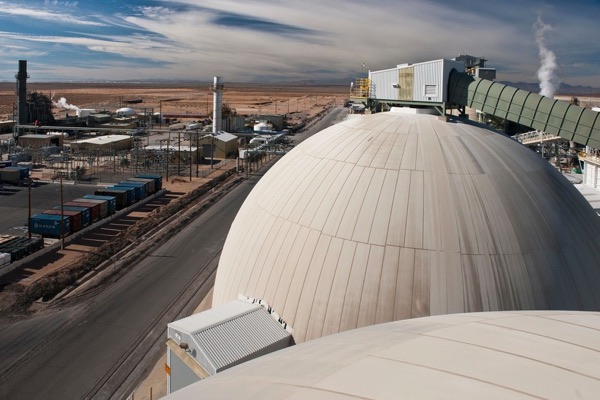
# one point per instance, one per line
(506, 355)
(392, 216)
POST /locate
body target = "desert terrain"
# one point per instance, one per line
(187, 100)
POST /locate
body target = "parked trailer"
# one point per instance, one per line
(49, 225)
(6, 238)
(131, 195)
(119, 195)
(141, 188)
(22, 247)
(74, 218)
(111, 201)
(150, 186)
(157, 180)
(102, 203)
(85, 213)
(94, 209)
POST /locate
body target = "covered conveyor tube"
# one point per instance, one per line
(556, 117)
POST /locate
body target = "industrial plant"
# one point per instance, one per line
(48, 141)
(363, 238)
(427, 245)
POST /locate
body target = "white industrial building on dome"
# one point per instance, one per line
(393, 216)
(492, 355)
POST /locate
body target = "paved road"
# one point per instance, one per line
(100, 345)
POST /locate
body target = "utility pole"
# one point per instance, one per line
(212, 150)
(168, 145)
(197, 154)
(178, 153)
(29, 207)
(62, 215)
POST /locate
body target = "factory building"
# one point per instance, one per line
(7, 126)
(223, 145)
(104, 143)
(39, 140)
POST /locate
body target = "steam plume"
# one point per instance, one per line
(549, 80)
(63, 105)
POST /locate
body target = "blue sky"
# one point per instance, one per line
(284, 40)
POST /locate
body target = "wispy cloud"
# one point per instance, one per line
(45, 15)
(284, 39)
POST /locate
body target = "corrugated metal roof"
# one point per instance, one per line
(226, 137)
(105, 139)
(234, 332)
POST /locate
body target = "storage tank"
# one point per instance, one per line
(125, 111)
(261, 126)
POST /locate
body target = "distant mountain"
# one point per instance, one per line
(564, 88)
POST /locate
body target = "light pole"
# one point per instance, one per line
(29, 207)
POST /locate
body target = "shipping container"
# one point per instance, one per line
(102, 203)
(85, 213)
(140, 188)
(150, 186)
(49, 225)
(94, 209)
(120, 196)
(157, 180)
(10, 175)
(131, 198)
(74, 218)
(112, 201)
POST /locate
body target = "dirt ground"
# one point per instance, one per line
(188, 100)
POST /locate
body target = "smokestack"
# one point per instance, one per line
(22, 93)
(217, 104)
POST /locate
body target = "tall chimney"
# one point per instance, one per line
(217, 104)
(22, 92)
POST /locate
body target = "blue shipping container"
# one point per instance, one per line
(143, 187)
(136, 193)
(157, 179)
(49, 225)
(23, 171)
